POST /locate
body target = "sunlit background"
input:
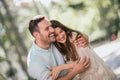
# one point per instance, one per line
(99, 19)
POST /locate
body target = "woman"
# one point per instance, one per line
(65, 43)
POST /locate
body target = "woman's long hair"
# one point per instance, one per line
(69, 50)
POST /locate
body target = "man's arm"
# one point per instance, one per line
(81, 40)
(78, 68)
(55, 71)
(39, 72)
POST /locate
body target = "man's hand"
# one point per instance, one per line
(55, 71)
(81, 40)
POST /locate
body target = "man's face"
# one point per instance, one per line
(46, 32)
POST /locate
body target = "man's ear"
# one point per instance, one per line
(35, 34)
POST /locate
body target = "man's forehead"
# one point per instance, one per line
(45, 23)
(38, 16)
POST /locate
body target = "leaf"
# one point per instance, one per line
(2, 59)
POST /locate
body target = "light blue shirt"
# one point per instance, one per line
(39, 60)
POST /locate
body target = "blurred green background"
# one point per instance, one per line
(99, 19)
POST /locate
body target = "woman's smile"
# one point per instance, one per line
(60, 35)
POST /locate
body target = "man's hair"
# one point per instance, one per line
(33, 24)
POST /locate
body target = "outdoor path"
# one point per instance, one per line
(110, 53)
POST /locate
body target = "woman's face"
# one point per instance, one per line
(60, 35)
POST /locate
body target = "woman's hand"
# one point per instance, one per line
(55, 71)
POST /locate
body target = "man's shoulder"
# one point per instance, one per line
(35, 56)
(33, 52)
(34, 49)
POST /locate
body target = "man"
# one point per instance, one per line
(44, 55)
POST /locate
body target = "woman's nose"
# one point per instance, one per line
(60, 35)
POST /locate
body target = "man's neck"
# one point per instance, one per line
(42, 44)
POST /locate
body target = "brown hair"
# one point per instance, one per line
(69, 50)
(33, 24)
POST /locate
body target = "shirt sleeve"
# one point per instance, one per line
(38, 71)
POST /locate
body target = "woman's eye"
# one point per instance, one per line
(55, 35)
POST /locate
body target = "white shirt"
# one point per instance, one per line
(39, 60)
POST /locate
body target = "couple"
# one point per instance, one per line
(46, 60)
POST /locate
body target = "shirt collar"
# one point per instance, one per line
(41, 49)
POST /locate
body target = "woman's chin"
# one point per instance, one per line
(62, 42)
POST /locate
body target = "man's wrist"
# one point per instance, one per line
(69, 76)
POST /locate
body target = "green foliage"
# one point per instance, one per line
(98, 18)
(11, 72)
(2, 59)
(1, 77)
(77, 6)
(30, 78)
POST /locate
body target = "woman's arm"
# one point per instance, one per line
(55, 71)
(83, 64)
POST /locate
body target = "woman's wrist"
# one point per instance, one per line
(67, 66)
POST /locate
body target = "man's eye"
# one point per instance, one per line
(61, 31)
(47, 29)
